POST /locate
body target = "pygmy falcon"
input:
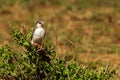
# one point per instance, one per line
(38, 34)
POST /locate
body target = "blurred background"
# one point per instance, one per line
(86, 29)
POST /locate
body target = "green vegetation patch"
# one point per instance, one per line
(33, 64)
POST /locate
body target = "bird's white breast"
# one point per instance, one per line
(38, 34)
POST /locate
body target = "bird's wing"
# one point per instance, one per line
(44, 34)
(33, 33)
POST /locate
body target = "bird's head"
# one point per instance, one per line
(39, 24)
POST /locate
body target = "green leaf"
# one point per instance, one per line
(26, 43)
(1, 63)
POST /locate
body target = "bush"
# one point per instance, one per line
(32, 64)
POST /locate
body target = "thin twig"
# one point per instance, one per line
(46, 74)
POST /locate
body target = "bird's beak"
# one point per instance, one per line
(42, 23)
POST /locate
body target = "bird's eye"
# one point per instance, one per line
(39, 23)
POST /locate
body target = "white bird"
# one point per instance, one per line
(38, 34)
